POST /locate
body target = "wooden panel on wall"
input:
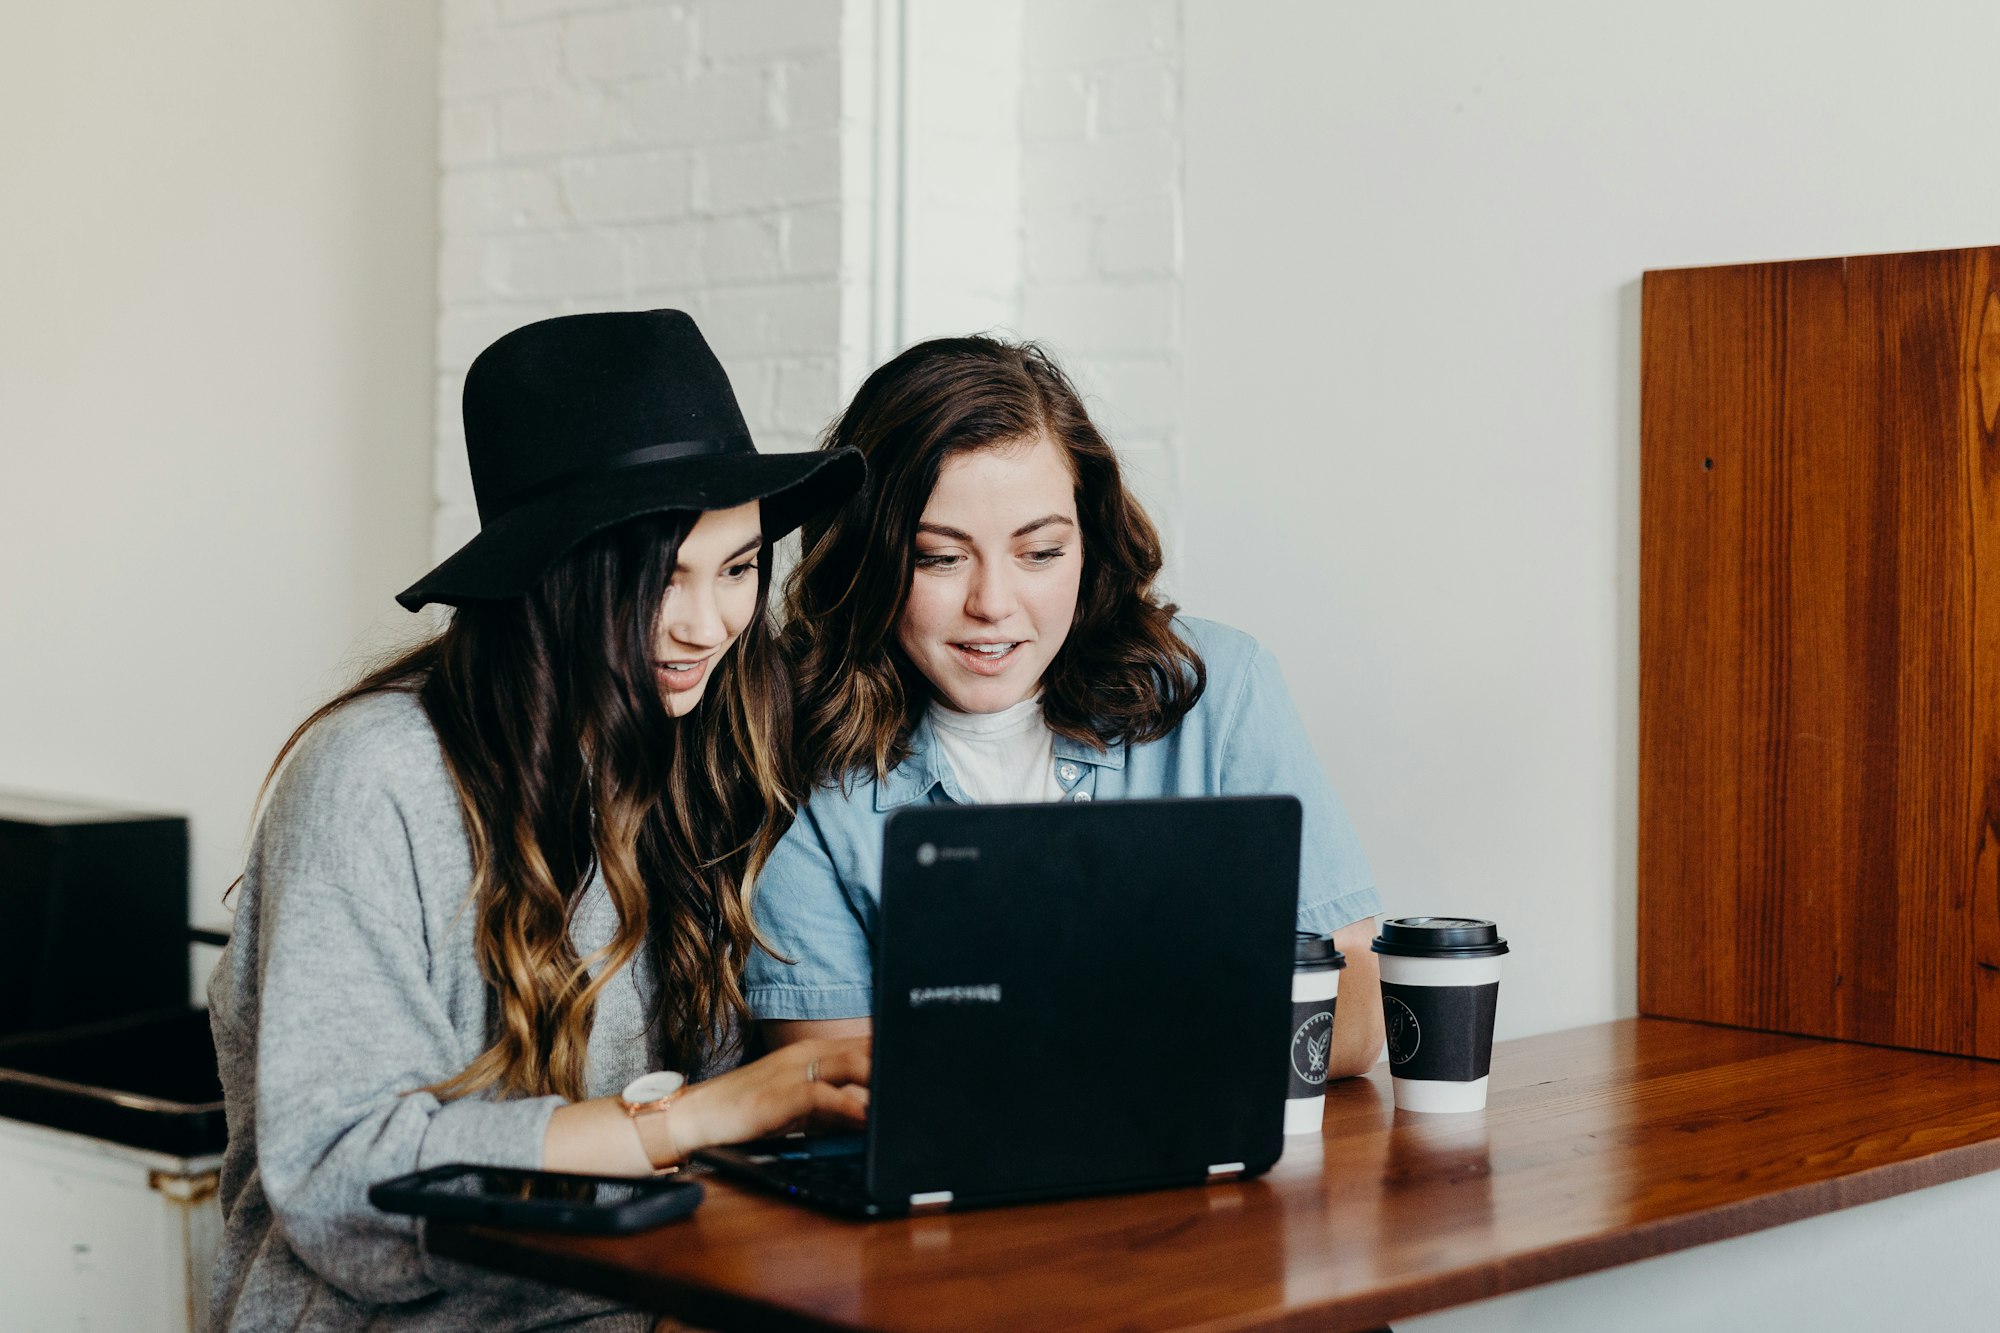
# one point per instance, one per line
(1819, 699)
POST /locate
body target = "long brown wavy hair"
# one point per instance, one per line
(566, 761)
(1122, 673)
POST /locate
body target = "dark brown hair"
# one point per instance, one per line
(566, 761)
(1123, 673)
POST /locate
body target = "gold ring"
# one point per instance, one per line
(812, 1070)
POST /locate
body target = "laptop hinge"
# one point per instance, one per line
(935, 1199)
(1224, 1171)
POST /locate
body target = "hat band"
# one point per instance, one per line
(652, 453)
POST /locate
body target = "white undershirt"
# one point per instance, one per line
(1008, 756)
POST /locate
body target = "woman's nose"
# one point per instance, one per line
(990, 595)
(694, 617)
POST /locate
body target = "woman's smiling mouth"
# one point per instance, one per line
(987, 658)
(681, 675)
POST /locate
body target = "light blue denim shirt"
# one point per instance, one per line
(818, 897)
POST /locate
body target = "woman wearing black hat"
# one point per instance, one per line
(496, 909)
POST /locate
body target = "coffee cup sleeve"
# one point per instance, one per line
(1442, 1033)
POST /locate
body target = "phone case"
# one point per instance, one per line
(654, 1202)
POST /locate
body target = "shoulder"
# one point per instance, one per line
(1212, 638)
(372, 761)
(843, 818)
(1228, 655)
(836, 802)
(1244, 685)
(378, 740)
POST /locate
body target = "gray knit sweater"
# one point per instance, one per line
(350, 980)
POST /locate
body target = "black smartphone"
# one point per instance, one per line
(547, 1200)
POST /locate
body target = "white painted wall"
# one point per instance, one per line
(1414, 238)
(216, 258)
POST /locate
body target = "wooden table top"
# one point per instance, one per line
(1599, 1146)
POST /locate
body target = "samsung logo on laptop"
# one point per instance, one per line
(923, 995)
(929, 854)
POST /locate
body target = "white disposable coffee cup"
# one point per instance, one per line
(1316, 968)
(1440, 987)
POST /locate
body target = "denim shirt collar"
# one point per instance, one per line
(1083, 753)
(925, 767)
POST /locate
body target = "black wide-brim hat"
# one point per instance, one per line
(579, 423)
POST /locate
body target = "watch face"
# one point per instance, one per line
(651, 1087)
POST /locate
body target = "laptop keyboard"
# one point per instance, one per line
(835, 1161)
(832, 1167)
(843, 1173)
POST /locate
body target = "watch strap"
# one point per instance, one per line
(653, 1123)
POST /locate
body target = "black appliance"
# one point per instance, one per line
(93, 913)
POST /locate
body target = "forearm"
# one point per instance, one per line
(595, 1138)
(783, 1032)
(1357, 1015)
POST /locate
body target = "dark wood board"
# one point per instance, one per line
(1819, 769)
(1600, 1146)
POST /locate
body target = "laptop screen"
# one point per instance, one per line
(1073, 997)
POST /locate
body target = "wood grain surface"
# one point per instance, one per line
(1599, 1146)
(1819, 743)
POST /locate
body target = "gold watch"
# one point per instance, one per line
(645, 1100)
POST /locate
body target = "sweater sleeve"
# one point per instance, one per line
(349, 1029)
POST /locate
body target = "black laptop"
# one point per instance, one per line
(1069, 999)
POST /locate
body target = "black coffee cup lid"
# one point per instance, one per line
(1315, 953)
(1439, 937)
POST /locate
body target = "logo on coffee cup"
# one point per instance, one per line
(1404, 1033)
(1310, 1045)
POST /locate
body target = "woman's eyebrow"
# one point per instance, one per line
(953, 534)
(745, 549)
(1044, 521)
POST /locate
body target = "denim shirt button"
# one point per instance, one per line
(1080, 796)
(1067, 772)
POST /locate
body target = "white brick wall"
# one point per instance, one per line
(619, 154)
(820, 182)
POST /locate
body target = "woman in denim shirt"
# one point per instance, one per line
(981, 625)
